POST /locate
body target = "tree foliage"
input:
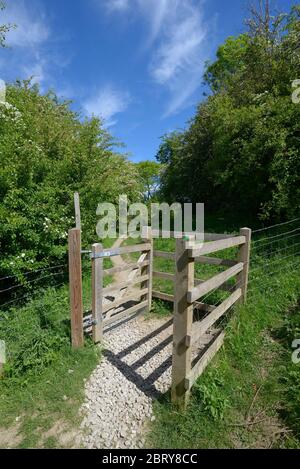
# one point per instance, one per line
(240, 151)
(149, 173)
(46, 154)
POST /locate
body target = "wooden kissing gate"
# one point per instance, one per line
(124, 299)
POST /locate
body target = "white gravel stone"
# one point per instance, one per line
(118, 401)
(134, 370)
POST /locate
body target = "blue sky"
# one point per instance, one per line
(136, 63)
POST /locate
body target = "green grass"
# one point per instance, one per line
(42, 384)
(249, 396)
(252, 378)
(43, 380)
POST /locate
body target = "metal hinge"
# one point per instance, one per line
(102, 255)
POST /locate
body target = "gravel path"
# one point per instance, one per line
(135, 370)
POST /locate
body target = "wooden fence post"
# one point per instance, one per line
(75, 281)
(183, 321)
(244, 256)
(148, 270)
(97, 292)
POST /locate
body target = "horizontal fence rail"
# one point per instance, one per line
(216, 314)
(213, 283)
(191, 234)
(164, 255)
(163, 296)
(126, 313)
(215, 261)
(126, 284)
(190, 335)
(125, 267)
(200, 366)
(215, 246)
(122, 250)
(125, 299)
(171, 298)
(164, 276)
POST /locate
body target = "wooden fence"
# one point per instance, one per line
(109, 304)
(188, 293)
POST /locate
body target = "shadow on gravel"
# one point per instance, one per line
(129, 371)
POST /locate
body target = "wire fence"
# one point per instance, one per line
(30, 282)
(31, 272)
(254, 285)
(262, 259)
(276, 226)
(15, 293)
(266, 252)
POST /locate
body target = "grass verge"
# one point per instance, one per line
(249, 396)
(44, 378)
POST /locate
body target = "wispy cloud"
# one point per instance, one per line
(31, 28)
(36, 71)
(116, 5)
(178, 61)
(178, 51)
(178, 39)
(26, 56)
(155, 13)
(107, 103)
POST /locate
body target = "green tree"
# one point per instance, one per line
(47, 152)
(241, 151)
(149, 173)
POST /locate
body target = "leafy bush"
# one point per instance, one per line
(161, 308)
(43, 381)
(47, 152)
(247, 126)
(35, 334)
(39, 352)
(210, 396)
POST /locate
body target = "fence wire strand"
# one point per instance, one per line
(29, 294)
(33, 272)
(29, 282)
(276, 226)
(275, 236)
(258, 249)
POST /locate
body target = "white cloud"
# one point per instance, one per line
(107, 103)
(179, 45)
(31, 28)
(178, 51)
(155, 12)
(26, 56)
(34, 51)
(179, 58)
(116, 5)
(36, 71)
